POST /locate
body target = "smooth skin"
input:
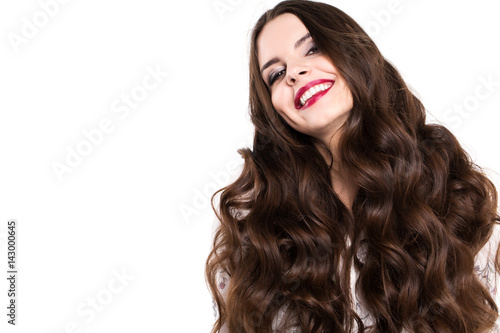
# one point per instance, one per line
(289, 60)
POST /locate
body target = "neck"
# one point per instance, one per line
(342, 183)
(344, 188)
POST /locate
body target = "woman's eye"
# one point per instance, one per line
(312, 50)
(275, 76)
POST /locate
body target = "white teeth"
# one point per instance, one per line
(313, 91)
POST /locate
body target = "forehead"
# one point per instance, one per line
(279, 36)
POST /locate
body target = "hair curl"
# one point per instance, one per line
(422, 211)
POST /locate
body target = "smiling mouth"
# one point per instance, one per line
(311, 92)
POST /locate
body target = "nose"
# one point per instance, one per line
(295, 71)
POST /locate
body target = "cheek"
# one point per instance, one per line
(348, 97)
(276, 102)
(279, 99)
(344, 94)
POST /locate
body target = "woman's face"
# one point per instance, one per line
(306, 88)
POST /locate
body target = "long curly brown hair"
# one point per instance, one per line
(422, 211)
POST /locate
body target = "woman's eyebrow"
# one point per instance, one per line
(275, 59)
(301, 40)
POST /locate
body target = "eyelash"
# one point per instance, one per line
(274, 76)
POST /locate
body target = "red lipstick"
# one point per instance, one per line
(314, 98)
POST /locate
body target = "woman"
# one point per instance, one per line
(351, 213)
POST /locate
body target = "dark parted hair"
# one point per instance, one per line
(422, 211)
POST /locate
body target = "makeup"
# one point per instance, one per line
(312, 92)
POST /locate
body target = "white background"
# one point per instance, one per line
(120, 209)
